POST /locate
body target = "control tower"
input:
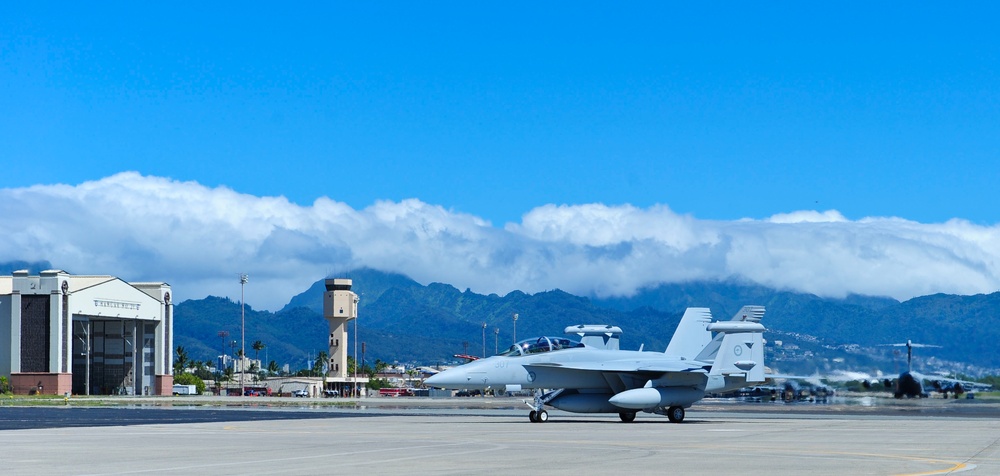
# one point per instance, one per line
(340, 306)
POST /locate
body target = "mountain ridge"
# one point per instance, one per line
(405, 321)
(397, 312)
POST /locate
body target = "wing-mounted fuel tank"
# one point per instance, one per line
(655, 397)
(575, 401)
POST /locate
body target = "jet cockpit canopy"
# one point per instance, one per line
(537, 345)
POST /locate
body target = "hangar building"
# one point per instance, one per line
(88, 335)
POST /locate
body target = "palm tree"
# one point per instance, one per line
(273, 368)
(320, 363)
(181, 363)
(226, 377)
(257, 346)
(254, 371)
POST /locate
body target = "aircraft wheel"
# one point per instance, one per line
(533, 416)
(627, 417)
(542, 416)
(675, 414)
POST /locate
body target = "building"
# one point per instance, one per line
(340, 307)
(86, 335)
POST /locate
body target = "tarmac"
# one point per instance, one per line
(233, 435)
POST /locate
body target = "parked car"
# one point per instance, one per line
(300, 393)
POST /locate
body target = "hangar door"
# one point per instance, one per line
(113, 357)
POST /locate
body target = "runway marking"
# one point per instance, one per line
(249, 463)
(956, 467)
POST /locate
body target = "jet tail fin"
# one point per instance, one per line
(746, 314)
(741, 352)
(750, 314)
(691, 335)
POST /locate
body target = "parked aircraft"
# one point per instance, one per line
(598, 379)
(911, 384)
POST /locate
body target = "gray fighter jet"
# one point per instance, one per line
(589, 377)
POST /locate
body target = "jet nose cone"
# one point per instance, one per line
(451, 378)
(434, 380)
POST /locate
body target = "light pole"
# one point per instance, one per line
(222, 360)
(496, 340)
(243, 328)
(484, 340)
(357, 392)
(515, 327)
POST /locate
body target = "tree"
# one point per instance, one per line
(272, 368)
(257, 346)
(351, 365)
(227, 377)
(190, 379)
(180, 361)
(374, 382)
(320, 363)
(254, 370)
(201, 369)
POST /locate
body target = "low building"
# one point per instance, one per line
(86, 335)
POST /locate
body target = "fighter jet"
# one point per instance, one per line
(594, 378)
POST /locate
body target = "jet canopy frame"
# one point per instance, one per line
(538, 345)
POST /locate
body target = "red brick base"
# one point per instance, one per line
(164, 384)
(31, 383)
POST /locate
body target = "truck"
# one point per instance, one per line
(185, 390)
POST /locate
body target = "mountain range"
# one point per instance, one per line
(403, 321)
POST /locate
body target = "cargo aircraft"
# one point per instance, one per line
(594, 376)
(910, 384)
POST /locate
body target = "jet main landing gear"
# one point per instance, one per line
(675, 414)
(627, 417)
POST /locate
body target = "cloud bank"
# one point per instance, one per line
(198, 239)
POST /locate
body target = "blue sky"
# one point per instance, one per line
(502, 112)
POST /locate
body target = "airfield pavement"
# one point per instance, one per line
(205, 435)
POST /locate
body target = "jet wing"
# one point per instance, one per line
(616, 375)
(948, 384)
(626, 366)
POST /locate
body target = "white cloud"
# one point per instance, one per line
(198, 239)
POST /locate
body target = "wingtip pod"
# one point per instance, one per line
(596, 335)
(736, 327)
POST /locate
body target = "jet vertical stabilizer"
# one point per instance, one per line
(750, 314)
(741, 351)
(691, 335)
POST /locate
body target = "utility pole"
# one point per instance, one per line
(496, 340)
(243, 329)
(484, 340)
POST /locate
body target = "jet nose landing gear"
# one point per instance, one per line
(540, 416)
